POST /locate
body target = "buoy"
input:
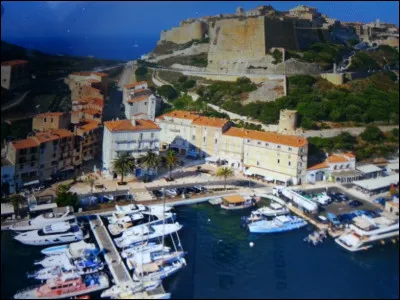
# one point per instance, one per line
(209, 220)
(251, 244)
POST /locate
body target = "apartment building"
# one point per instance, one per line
(38, 157)
(138, 99)
(51, 120)
(135, 137)
(14, 73)
(7, 177)
(88, 141)
(276, 156)
(87, 84)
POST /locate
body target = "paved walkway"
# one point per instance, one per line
(15, 102)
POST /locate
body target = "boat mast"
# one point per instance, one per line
(163, 190)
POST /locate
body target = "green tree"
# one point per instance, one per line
(64, 197)
(141, 73)
(224, 172)
(167, 91)
(150, 161)
(372, 134)
(171, 160)
(123, 165)
(17, 201)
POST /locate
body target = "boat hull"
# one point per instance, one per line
(260, 229)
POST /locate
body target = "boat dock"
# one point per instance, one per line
(113, 259)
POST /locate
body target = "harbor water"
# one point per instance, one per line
(222, 264)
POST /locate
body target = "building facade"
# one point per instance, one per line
(266, 154)
(138, 99)
(7, 177)
(134, 137)
(51, 120)
(14, 73)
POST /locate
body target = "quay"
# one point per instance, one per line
(113, 259)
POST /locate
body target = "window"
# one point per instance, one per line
(21, 166)
(22, 151)
(248, 141)
(141, 136)
(51, 120)
(290, 163)
(290, 149)
(54, 155)
(204, 139)
(32, 164)
(216, 141)
(279, 161)
(266, 144)
(54, 162)
(258, 163)
(152, 135)
(193, 137)
(42, 166)
(258, 143)
(45, 120)
(279, 146)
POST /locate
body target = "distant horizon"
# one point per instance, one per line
(75, 24)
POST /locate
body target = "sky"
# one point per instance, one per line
(67, 20)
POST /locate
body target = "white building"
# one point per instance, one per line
(7, 177)
(138, 99)
(134, 137)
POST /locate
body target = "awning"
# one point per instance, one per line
(67, 169)
(212, 159)
(248, 173)
(43, 207)
(269, 174)
(31, 182)
(267, 178)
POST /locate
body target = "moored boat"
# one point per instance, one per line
(237, 202)
(74, 249)
(278, 224)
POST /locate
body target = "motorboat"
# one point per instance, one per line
(130, 291)
(65, 286)
(364, 232)
(158, 257)
(134, 208)
(145, 247)
(56, 233)
(138, 234)
(119, 223)
(216, 201)
(133, 287)
(74, 249)
(237, 202)
(278, 224)
(58, 215)
(273, 210)
(152, 271)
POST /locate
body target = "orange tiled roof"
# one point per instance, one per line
(50, 114)
(322, 165)
(138, 99)
(91, 111)
(272, 137)
(89, 125)
(337, 159)
(51, 135)
(212, 122)
(126, 125)
(181, 114)
(349, 154)
(25, 143)
(131, 85)
(14, 62)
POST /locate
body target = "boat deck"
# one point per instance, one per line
(113, 259)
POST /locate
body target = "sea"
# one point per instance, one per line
(222, 264)
(114, 47)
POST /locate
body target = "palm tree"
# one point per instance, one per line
(224, 172)
(123, 164)
(91, 181)
(171, 160)
(150, 161)
(17, 200)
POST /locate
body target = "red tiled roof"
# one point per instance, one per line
(131, 85)
(89, 125)
(25, 143)
(272, 137)
(14, 62)
(51, 135)
(212, 122)
(126, 125)
(181, 114)
(322, 165)
(50, 114)
(337, 158)
(138, 99)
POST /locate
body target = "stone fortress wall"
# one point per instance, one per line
(186, 32)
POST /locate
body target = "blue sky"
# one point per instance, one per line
(84, 20)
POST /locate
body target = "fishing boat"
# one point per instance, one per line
(58, 215)
(74, 249)
(278, 224)
(56, 233)
(159, 257)
(66, 285)
(237, 202)
(152, 271)
(138, 234)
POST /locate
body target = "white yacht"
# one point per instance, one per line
(74, 249)
(159, 257)
(274, 209)
(134, 208)
(145, 232)
(119, 223)
(153, 271)
(365, 231)
(278, 224)
(58, 215)
(56, 233)
(146, 247)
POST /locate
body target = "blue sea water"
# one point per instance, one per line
(221, 264)
(114, 47)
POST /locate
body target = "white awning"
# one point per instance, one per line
(377, 183)
(31, 182)
(247, 172)
(7, 209)
(43, 207)
(269, 174)
(212, 159)
(368, 168)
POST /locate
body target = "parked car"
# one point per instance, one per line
(157, 193)
(333, 196)
(355, 203)
(380, 200)
(333, 219)
(189, 190)
(342, 196)
(171, 192)
(180, 191)
(169, 179)
(200, 188)
(322, 219)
